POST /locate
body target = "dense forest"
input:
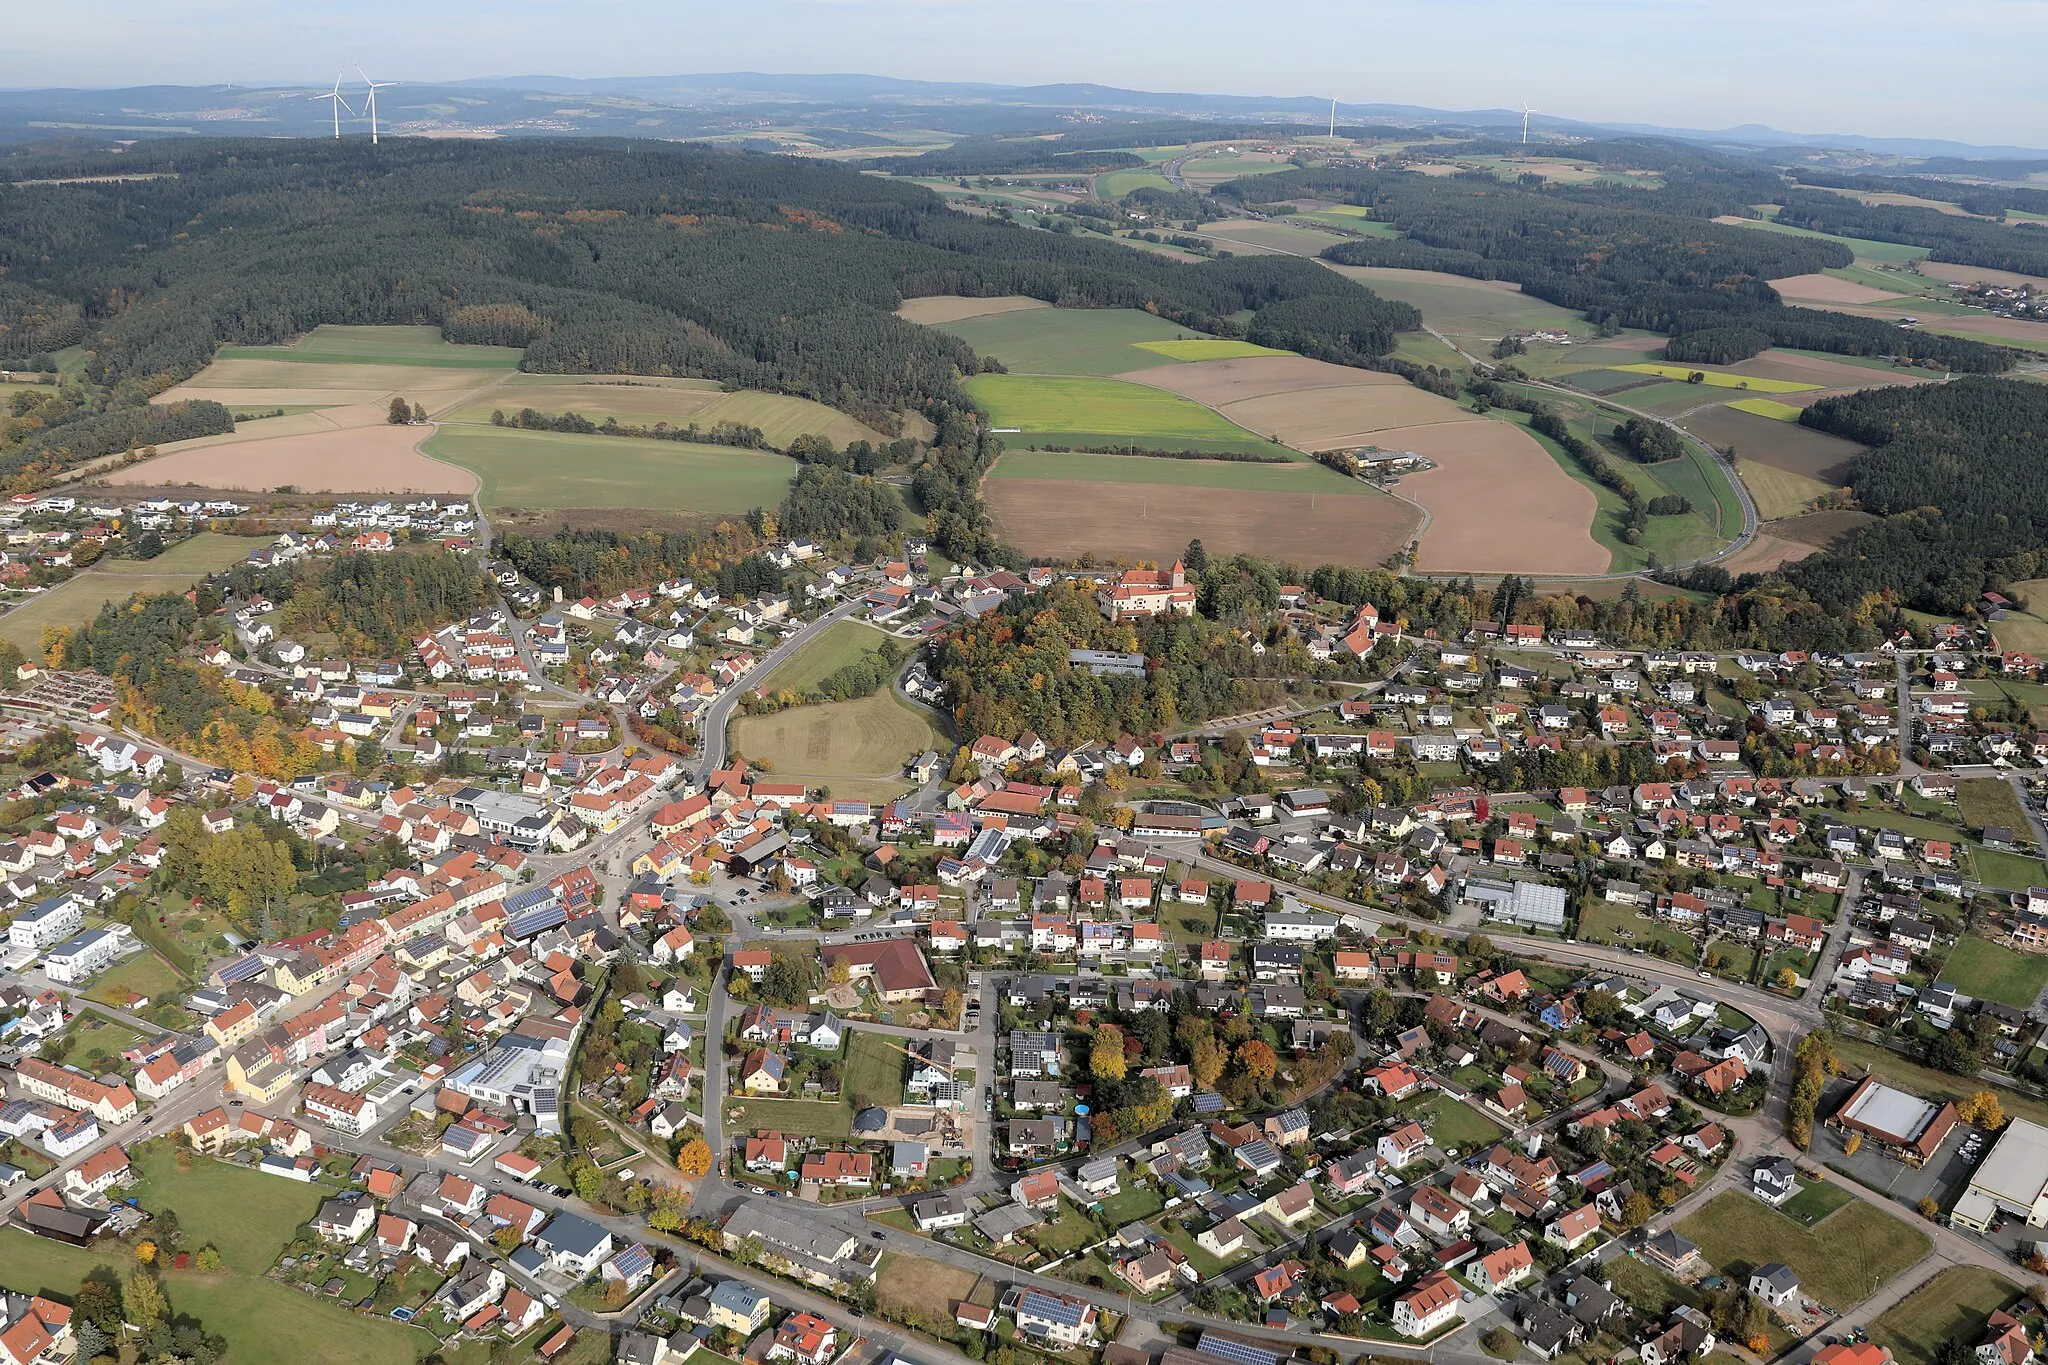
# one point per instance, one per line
(1959, 474)
(1619, 255)
(763, 272)
(2022, 247)
(374, 604)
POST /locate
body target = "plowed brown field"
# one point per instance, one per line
(942, 308)
(1498, 502)
(381, 459)
(1156, 521)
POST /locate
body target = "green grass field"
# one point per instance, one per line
(1109, 410)
(1767, 407)
(1208, 348)
(1987, 971)
(1070, 340)
(1605, 922)
(1840, 1262)
(1455, 1124)
(249, 1217)
(1815, 1201)
(811, 1118)
(1719, 379)
(857, 748)
(643, 401)
(1987, 801)
(1866, 250)
(145, 974)
(1952, 1306)
(1078, 466)
(79, 599)
(333, 345)
(1116, 184)
(554, 469)
(874, 1069)
(839, 645)
(2012, 871)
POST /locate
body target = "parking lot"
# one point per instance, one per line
(1944, 1178)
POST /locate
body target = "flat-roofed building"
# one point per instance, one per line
(1906, 1126)
(2013, 1179)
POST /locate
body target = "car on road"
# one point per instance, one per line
(880, 1236)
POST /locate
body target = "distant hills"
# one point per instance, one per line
(830, 112)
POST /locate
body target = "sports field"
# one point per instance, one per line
(1068, 410)
(1841, 1261)
(554, 469)
(77, 601)
(857, 748)
(1953, 1306)
(1720, 379)
(825, 654)
(1767, 407)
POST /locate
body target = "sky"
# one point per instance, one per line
(1800, 65)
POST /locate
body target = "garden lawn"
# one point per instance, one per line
(1456, 1123)
(1984, 970)
(1605, 922)
(874, 1068)
(145, 974)
(2011, 871)
(246, 1215)
(811, 1118)
(1952, 1305)
(1647, 1290)
(1841, 1262)
(1815, 1201)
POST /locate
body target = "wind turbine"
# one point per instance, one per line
(1333, 118)
(339, 104)
(1526, 111)
(375, 86)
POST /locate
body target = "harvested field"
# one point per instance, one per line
(1222, 382)
(382, 459)
(1079, 411)
(1254, 236)
(1766, 553)
(1821, 529)
(1826, 372)
(907, 1282)
(1468, 309)
(644, 401)
(1251, 476)
(1779, 492)
(1324, 419)
(1070, 341)
(1498, 502)
(848, 745)
(1782, 445)
(1826, 289)
(1067, 519)
(939, 308)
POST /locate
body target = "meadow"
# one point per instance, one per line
(556, 469)
(1064, 466)
(1952, 1306)
(838, 645)
(856, 748)
(1985, 970)
(1865, 249)
(1067, 410)
(1068, 341)
(1840, 1261)
(79, 599)
(339, 345)
(1468, 310)
(1779, 492)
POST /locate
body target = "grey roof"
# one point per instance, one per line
(573, 1236)
(1779, 1277)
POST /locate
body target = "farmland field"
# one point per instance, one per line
(1300, 476)
(1865, 249)
(1067, 410)
(644, 401)
(841, 643)
(1779, 492)
(1253, 237)
(1990, 801)
(1783, 445)
(1986, 971)
(555, 469)
(78, 600)
(1117, 184)
(339, 345)
(1207, 348)
(938, 309)
(1840, 1262)
(1466, 309)
(858, 748)
(1953, 1306)
(1767, 407)
(1720, 379)
(1099, 341)
(369, 459)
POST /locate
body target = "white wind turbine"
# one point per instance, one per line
(375, 86)
(339, 104)
(1526, 111)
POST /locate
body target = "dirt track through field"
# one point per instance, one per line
(1156, 521)
(380, 459)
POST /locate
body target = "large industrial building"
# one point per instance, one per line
(1906, 1126)
(2012, 1180)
